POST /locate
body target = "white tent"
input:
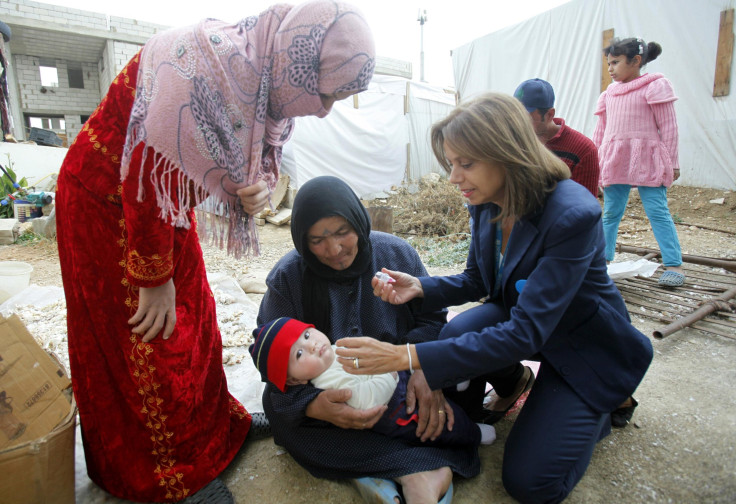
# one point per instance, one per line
(563, 46)
(380, 143)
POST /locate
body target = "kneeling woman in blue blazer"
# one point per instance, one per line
(537, 261)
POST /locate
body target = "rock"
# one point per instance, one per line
(253, 286)
(45, 226)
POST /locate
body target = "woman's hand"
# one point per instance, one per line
(434, 410)
(676, 174)
(330, 406)
(254, 197)
(403, 289)
(373, 356)
(156, 310)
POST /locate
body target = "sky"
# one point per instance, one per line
(449, 23)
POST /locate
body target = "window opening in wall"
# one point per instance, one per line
(76, 75)
(49, 73)
(47, 122)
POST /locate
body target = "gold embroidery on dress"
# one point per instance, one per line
(150, 268)
(114, 158)
(144, 372)
(237, 409)
(117, 198)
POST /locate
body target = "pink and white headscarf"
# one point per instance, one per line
(215, 103)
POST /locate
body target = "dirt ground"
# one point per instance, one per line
(680, 447)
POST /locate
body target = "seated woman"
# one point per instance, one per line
(537, 252)
(326, 281)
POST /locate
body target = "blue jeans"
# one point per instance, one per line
(654, 200)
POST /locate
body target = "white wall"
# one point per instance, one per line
(33, 162)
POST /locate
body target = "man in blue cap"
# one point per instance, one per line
(574, 148)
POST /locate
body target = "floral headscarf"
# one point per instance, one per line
(215, 103)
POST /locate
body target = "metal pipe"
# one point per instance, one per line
(727, 264)
(422, 18)
(717, 303)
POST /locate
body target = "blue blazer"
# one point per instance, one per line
(568, 312)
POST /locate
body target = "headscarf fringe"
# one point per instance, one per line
(222, 222)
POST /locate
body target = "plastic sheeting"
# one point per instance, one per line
(563, 46)
(379, 144)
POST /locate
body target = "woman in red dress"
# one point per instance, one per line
(199, 114)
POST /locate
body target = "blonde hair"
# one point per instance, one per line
(495, 127)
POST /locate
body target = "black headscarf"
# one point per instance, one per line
(319, 198)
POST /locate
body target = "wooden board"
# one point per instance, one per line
(606, 41)
(282, 185)
(282, 217)
(724, 55)
(382, 218)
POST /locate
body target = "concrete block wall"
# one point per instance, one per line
(55, 100)
(116, 55)
(392, 66)
(73, 127)
(62, 100)
(133, 26)
(54, 14)
(66, 16)
(123, 53)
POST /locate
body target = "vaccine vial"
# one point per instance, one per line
(384, 277)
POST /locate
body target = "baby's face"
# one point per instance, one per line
(310, 356)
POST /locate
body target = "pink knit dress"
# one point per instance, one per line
(636, 134)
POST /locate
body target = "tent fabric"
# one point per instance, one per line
(563, 46)
(380, 144)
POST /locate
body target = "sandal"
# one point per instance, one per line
(671, 279)
(378, 490)
(491, 416)
(620, 417)
(215, 492)
(260, 427)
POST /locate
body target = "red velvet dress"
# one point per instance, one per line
(157, 420)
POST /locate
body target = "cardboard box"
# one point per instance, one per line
(41, 471)
(37, 421)
(32, 385)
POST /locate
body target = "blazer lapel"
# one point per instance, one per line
(522, 236)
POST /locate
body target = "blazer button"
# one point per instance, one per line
(565, 370)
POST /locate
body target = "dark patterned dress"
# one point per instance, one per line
(325, 450)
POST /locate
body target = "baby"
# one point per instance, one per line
(288, 352)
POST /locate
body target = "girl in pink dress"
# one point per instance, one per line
(637, 137)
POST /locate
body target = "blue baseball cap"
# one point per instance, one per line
(535, 94)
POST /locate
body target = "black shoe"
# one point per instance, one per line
(491, 416)
(621, 417)
(260, 427)
(215, 492)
